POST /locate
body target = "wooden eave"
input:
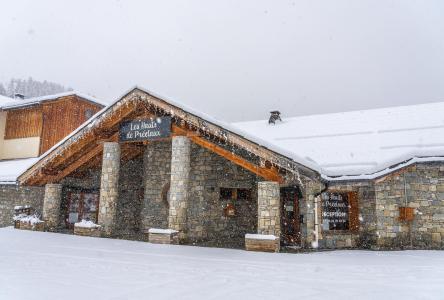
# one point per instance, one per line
(85, 144)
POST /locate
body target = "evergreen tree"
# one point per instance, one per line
(2, 90)
(31, 88)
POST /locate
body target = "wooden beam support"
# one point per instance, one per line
(269, 174)
(77, 164)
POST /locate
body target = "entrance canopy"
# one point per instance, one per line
(82, 149)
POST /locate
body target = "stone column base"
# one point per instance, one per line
(33, 227)
(163, 236)
(262, 242)
(85, 231)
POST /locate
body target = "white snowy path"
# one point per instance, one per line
(36, 265)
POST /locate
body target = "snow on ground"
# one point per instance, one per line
(37, 265)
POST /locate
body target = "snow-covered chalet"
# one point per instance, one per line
(149, 168)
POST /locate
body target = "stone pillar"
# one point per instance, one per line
(51, 205)
(268, 202)
(109, 186)
(179, 185)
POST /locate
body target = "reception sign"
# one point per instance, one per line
(335, 211)
(146, 129)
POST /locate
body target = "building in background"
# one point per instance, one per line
(28, 128)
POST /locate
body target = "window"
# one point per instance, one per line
(234, 194)
(340, 211)
(244, 194)
(226, 193)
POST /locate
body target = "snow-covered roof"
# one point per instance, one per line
(14, 103)
(359, 144)
(93, 120)
(4, 100)
(11, 169)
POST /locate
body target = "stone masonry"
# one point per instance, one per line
(269, 221)
(420, 186)
(51, 205)
(179, 193)
(207, 222)
(109, 186)
(12, 195)
(156, 180)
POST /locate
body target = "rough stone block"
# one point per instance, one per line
(163, 236)
(260, 242)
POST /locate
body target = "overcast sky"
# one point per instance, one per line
(235, 60)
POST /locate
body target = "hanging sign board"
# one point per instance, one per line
(145, 130)
(335, 211)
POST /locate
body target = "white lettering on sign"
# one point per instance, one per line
(139, 130)
(335, 211)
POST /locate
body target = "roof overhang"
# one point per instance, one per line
(63, 158)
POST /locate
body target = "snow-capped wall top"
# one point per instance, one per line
(4, 100)
(359, 144)
(36, 100)
(11, 169)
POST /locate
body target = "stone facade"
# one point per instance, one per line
(156, 182)
(179, 185)
(130, 199)
(109, 186)
(176, 184)
(269, 217)
(12, 195)
(51, 205)
(420, 186)
(207, 222)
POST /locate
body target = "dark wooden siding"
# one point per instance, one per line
(62, 117)
(23, 123)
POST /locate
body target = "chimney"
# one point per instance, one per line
(19, 96)
(275, 115)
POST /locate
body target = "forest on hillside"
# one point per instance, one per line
(31, 88)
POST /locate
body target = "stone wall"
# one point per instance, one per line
(207, 222)
(156, 177)
(129, 203)
(13, 195)
(420, 186)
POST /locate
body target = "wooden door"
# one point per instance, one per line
(290, 225)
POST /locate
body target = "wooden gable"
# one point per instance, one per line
(23, 123)
(63, 116)
(84, 148)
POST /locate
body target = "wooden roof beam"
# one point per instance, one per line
(269, 174)
(77, 164)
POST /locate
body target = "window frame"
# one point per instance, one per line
(353, 213)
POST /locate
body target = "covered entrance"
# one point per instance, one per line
(291, 219)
